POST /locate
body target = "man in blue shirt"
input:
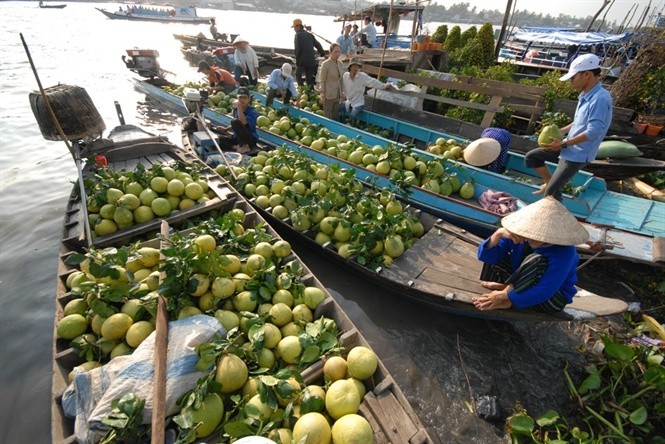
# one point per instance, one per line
(345, 42)
(281, 84)
(592, 120)
(243, 125)
(533, 259)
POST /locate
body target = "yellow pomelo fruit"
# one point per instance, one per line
(342, 398)
(284, 436)
(240, 279)
(283, 296)
(133, 308)
(228, 319)
(209, 415)
(251, 387)
(393, 246)
(141, 274)
(85, 367)
(105, 227)
(281, 248)
(271, 335)
(148, 256)
(96, 324)
(264, 249)
(266, 358)
(281, 314)
(301, 312)
(206, 302)
(264, 409)
(312, 399)
(120, 350)
(360, 386)
(231, 373)
(71, 326)
(80, 306)
(116, 326)
(223, 287)
(159, 184)
(255, 262)
(138, 332)
(186, 312)
(313, 296)
(362, 362)
(312, 428)
(175, 187)
(292, 392)
(202, 283)
(230, 263)
(205, 243)
(243, 301)
(289, 349)
(193, 191)
(291, 329)
(153, 281)
(352, 429)
(161, 207)
(264, 309)
(335, 368)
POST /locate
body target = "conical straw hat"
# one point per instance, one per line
(546, 220)
(482, 151)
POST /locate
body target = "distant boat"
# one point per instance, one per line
(43, 6)
(157, 14)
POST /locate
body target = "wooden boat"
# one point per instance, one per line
(440, 270)
(179, 14)
(192, 40)
(127, 148)
(223, 57)
(435, 125)
(629, 227)
(47, 6)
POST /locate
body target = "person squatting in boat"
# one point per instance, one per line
(531, 261)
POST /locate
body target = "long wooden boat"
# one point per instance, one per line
(46, 6)
(179, 14)
(130, 149)
(192, 40)
(224, 59)
(439, 270)
(629, 227)
(435, 125)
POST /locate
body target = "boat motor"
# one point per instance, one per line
(143, 62)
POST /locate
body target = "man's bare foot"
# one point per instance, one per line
(493, 285)
(541, 190)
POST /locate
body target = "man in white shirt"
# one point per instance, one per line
(369, 33)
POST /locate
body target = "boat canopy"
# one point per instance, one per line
(571, 38)
(390, 18)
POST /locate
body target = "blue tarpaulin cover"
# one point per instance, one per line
(571, 38)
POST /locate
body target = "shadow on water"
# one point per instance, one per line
(446, 363)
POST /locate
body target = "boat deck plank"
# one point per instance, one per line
(625, 211)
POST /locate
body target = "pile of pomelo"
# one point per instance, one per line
(253, 285)
(330, 205)
(120, 200)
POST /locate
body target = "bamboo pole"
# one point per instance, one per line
(75, 151)
(383, 53)
(160, 360)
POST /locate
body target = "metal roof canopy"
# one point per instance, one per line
(382, 12)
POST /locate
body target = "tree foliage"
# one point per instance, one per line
(440, 34)
(454, 39)
(485, 37)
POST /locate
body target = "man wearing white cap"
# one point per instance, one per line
(281, 84)
(534, 257)
(592, 120)
(246, 61)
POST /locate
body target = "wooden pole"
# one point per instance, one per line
(160, 360)
(75, 151)
(593, 19)
(504, 25)
(383, 53)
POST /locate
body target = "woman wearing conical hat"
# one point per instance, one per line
(533, 259)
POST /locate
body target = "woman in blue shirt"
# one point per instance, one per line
(536, 250)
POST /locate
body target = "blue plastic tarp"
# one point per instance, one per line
(571, 38)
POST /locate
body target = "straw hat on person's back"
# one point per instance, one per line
(546, 220)
(482, 151)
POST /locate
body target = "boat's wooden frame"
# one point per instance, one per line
(385, 405)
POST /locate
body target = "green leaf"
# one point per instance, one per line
(639, 416)
(618, 351)
(521, 424)
(592, 382)
(237, 429)
(311, 354)
(548, 418)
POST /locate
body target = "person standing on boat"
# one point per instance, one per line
(243, 125)
(590, 124)
(246, 62)
(532, 260)
(306, 61)
(368, 34)
(330, 79)
(220, 79)
(345, 42)
(354, 82)
(213, 30)
(281, 84)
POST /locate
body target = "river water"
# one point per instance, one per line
(441, 362)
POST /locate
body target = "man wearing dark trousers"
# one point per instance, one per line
(306, 61)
